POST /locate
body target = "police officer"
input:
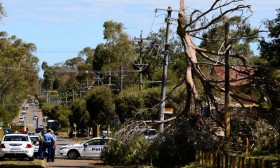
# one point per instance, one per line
(48, 142)
(53, 146)
(42, 148)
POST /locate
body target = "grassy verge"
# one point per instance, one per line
(1, 134)
(21, 163)
(196, 165)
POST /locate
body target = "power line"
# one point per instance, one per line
(13, 68)
(58, 51)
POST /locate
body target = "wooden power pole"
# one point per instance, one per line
(227, 85)
(164, 72)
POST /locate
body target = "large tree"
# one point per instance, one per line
(268, 73)
(227, 12)
(18, 73)
(100, 105)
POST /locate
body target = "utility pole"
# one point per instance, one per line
(140, 66)
(110, 77)
(164, 72)
(122, 75)
(227, 85)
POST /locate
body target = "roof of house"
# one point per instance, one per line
(236, 75)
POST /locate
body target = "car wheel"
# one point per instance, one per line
(31, 158)
(72, 154)
(1, 158)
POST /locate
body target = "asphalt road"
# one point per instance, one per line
(59, 160)
(78, 163)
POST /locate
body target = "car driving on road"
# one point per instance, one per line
(89, 148)
(16, 146)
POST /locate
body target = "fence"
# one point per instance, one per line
(222, 160)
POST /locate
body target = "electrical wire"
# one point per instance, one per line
(153, 21)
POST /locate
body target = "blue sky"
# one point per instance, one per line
(62, 28)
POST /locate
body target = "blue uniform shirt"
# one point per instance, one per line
(48, 137)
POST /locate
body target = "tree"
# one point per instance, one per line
(79, 115)
(197, 22)
(268, 73)
(100, 105)
(48, 76)
(270, 50)
(18, 74)
(151, 53)
(128, 104)
(117, 54)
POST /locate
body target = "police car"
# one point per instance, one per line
(16, 146)
(89, 148)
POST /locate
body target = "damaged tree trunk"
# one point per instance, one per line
(191, 60)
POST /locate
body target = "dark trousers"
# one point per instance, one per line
(41, 152)
(53, 153)
(48, 146)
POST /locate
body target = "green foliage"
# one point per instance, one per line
(174, 147)
(100, 105)
(8, 113)
(126, 153)
(128, 103)
(268, 64)
(18, 75)
(41, 101)
(145, 105)
(48, 76)
(152, 56)
(151, 98)
(270, 49)
(267, 139)
(79, 115)
(112, 31)
(241, 35)
(56, 112)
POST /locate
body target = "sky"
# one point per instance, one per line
(62, 28)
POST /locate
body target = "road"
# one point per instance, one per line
(31, 123)
(59, 160)
(78, 163)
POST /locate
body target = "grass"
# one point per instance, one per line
(1, 134)
(196, 165)
(268, 157)
(21, 163)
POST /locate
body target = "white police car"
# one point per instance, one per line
(89, 148)
(16, 146)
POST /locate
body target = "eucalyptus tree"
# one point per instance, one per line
(268, 73)
(233, 48)
(18, 64)
(18, 73)
(241, 35)
(79, 114)
(116, 54)
(48, 76)
(100, 105)
(152, 56)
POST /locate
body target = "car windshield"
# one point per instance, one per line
(16, 138)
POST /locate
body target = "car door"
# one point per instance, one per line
(93, 148)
